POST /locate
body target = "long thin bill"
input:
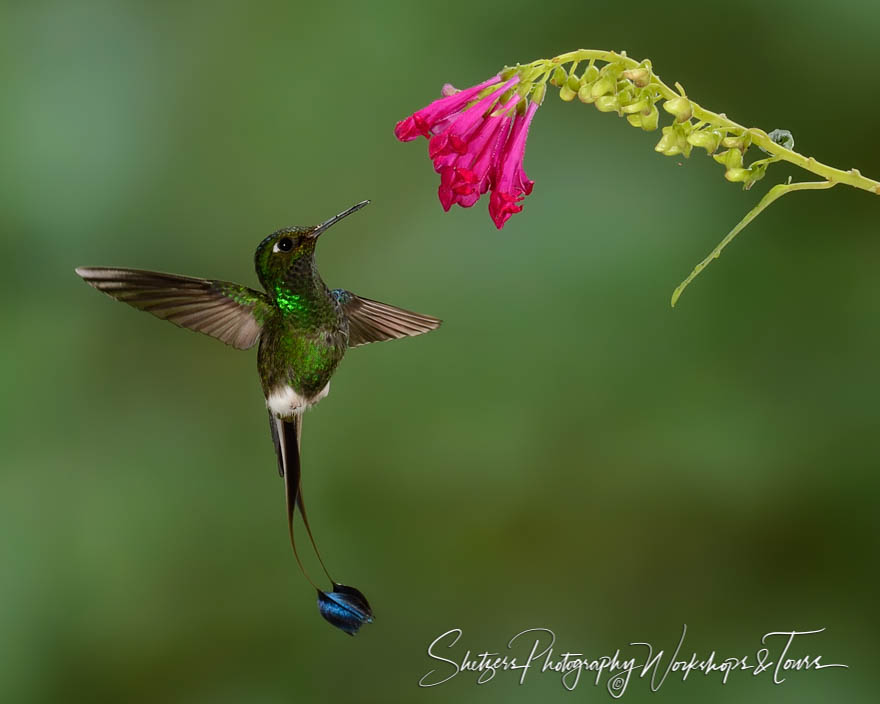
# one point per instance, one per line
(336, 218)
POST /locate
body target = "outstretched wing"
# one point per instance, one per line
(232, 313)
(371, 321)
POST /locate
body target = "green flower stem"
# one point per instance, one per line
(758, 136)
(773, 194)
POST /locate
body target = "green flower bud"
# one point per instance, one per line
(740, 142)
(667, 141)
(603, 86)
(732, 158)
(651, 119)
(607, 103)
(736, 175)
(634, 120)
(626, 95)
(558, 77)
(705, 139)
(639, 106)
(639, 76)
(680, 107)
(508, 73)
(585, 93)
(538, 93)
(573, 82)
(530, 74)
(673, 142)
(756, 173)
(566, 93)
(591, 74)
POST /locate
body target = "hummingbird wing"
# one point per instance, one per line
(229, 312)
(372, 321)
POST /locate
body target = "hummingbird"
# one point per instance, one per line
(303, 329)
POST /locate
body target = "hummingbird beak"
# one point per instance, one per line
(320, 229)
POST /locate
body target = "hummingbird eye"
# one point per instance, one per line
(285, 244)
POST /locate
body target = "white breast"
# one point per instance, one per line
(284, 401)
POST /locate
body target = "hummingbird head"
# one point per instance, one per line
(292, 249)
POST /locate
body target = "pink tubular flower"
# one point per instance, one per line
(510, 183)
(476, 146)
(465, 176)
(421, 122)
(468, 124)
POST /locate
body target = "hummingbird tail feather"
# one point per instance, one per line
(286, 436)
(274, 424)
(343, 606)
(302, 511)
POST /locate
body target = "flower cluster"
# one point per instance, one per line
(477, 140)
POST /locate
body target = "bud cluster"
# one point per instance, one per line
(635, 93)
(614, 88)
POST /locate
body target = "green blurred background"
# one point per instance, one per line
(566, 452)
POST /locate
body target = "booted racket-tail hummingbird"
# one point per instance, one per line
(303, 329)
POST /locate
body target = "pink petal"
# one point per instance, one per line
(509, 182)
(421, 121)
(467, 124)
(502, 206)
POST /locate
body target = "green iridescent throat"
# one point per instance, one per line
(290, 303)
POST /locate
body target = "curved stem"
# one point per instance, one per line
(773, 194)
